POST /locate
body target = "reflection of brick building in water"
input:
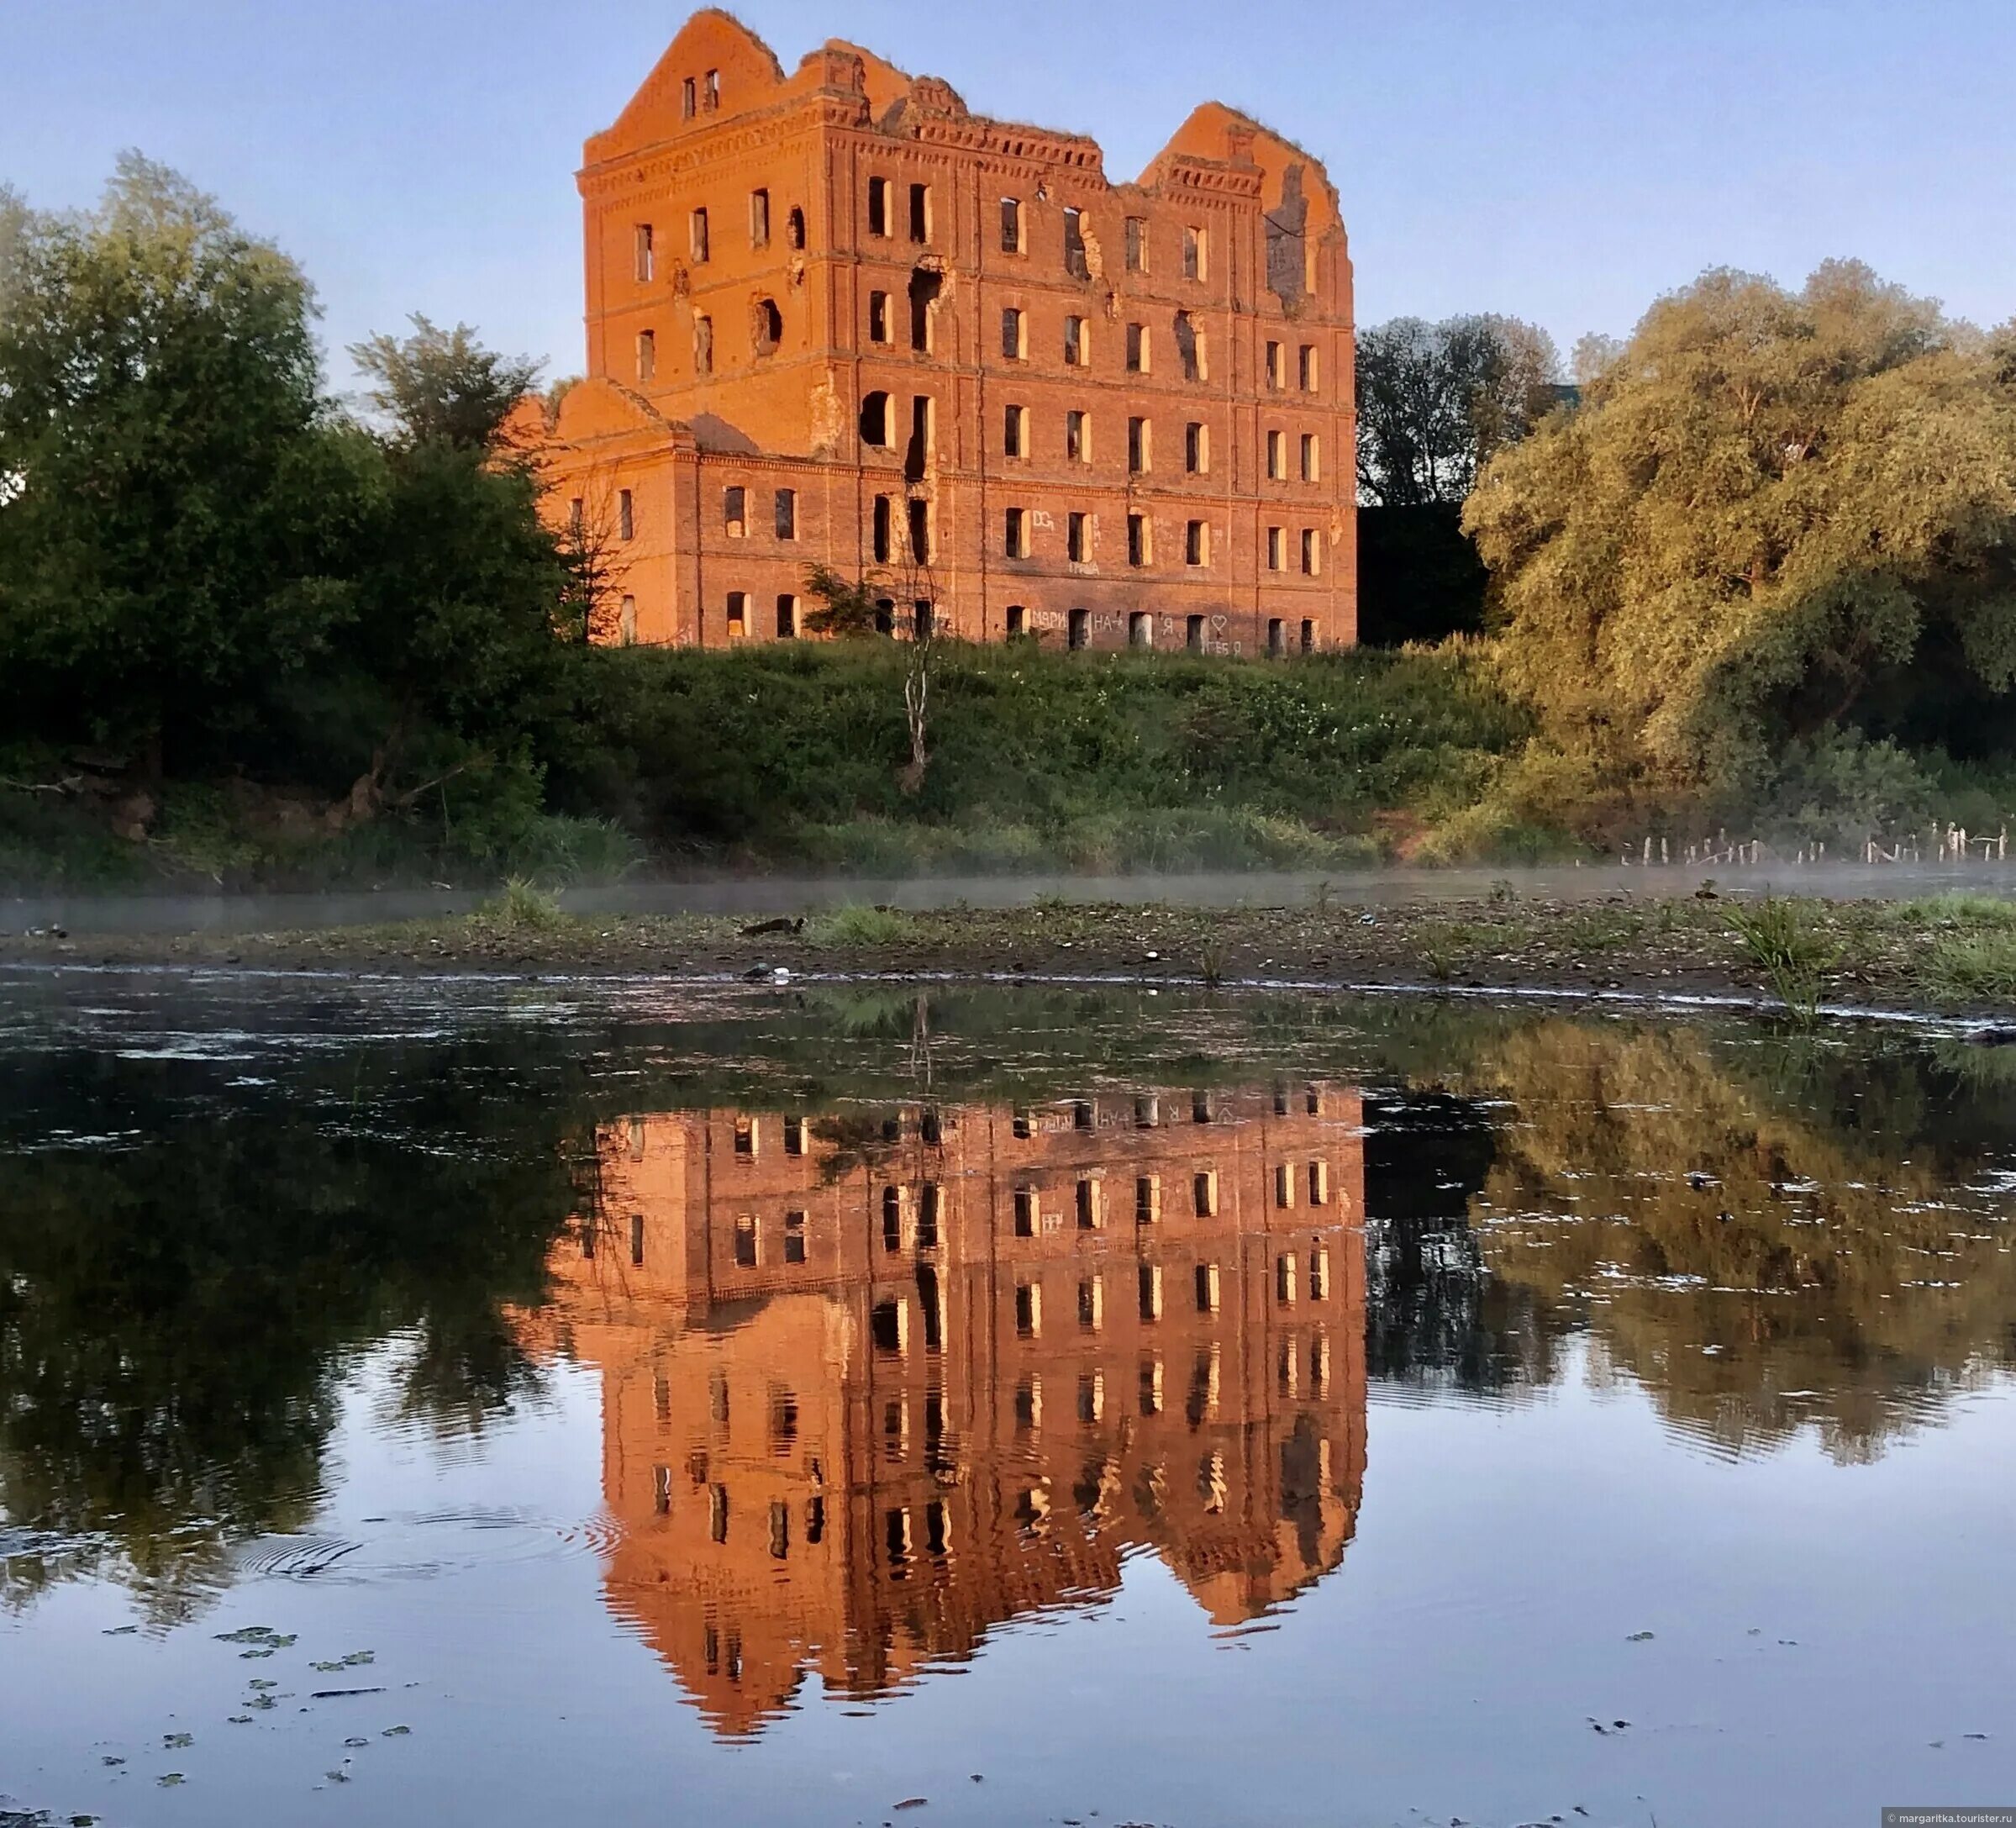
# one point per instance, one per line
(871, 1388)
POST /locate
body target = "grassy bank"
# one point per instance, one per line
(1955, 953)
(792, 756)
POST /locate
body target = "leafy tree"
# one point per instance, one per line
(177, 501)
(1436, 400)
(1768, 504)
(443, 386)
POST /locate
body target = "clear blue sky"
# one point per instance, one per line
(1564, 161)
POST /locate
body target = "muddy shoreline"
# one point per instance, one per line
(1680, 947)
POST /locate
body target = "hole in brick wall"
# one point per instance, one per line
(1187, 351)
(766, 326)
(1074, 262)
(794, 228)
(918, 456)
(703, 345)
(918, 526)
(1193, 634)
(925, 286)
(920, 212)
(1287, 223)
(1011, 225)
(875, 423)
(1137, 243)
(882, 534)
(735, 507)
(787, 630)
(759, 219)
(1140, 629)
(1017, 622)
(1079, 629)
(785, 514)
(878, 317)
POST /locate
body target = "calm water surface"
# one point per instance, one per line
(487, 1402)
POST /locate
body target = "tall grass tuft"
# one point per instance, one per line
(856, 925)
(1795, 956)
(526, 908)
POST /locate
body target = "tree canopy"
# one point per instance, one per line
(1769, 506)
(1436, 400)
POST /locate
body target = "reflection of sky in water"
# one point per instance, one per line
(1576, 1435)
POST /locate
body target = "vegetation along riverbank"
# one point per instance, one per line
(1953, 953)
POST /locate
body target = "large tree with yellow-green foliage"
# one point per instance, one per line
(1773, 513)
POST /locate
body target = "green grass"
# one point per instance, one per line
(855, 924)
(1966, 967)
(526, 908)
(1781, 938)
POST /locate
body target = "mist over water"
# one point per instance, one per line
(471, 1399)
(768, 894)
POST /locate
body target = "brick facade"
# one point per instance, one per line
(839, 287)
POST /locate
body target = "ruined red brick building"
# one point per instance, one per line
(834, 317)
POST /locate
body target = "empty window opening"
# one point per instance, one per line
(1025, 1212)
(1147, 1199)
(1305, 368)
(1014, 333)
(794, 1135)
(1189, 348)
(710, 91)
(788, 617)
(1011, 225)
(1137, 243)
(703, 345)
(920, 212)
(1312, 1101)
(699, 236)
(1200, 1107)
(1074, 343)
(1074, 245)
(1284, 1280)
(1312, 465)
(734, 512)
(893, 1218)
(1015, 540)
(880, 539)
(878, 206)
(626, 516)
(924, 288)
(1014, 431)
(1091, 1304)
(766, 326)
(626, 623)
(1197, 449)
(1029, 1309)
(1193, 634)
(1078, 441)
(1278, 456)
(1147, 1111)
(1196, 254)
(1149, 1278)
(1078, 629)
(1197, 543)
(1137, 539)
(1280, 1101)
(918, 530)
(889, 1326)
(923, 620)
(780, 1530)
(875, 425)
(759, 219)
(1151, 1387)
(785, 516)
(647, 354)
(647, 260)
(1138, 452)
(1140, 629)
(885, 615)
(1091, 1206)
(1277, 548)
(1319, 1183)
(1277, 638)
(1029, 1404)
(1206, 1288)
(878, 318)
(1284, 1185)
(1082, 1116)
(661, 1490)
(794, 1237)
(1204, 1193)
(794, 228)
(1312, 552)
(637, 1240)
(1274, 368)
(1320, 1274)
(576, 516)
(1077, 542)
(738, 615)
(745, 1242)
(1308, 637)
(930, 1208)
(1092, 1396)
(1137, 349)
(689, 95)
(716, 1515)
(815, 1520)
(1016, 624)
